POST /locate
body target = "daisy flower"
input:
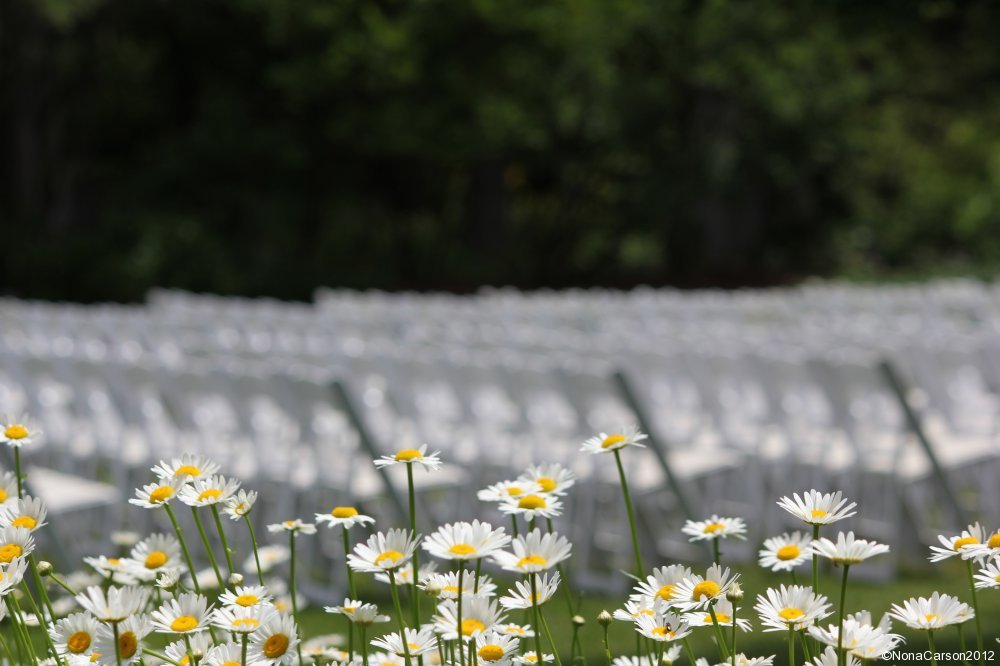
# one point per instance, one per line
(504, 490)
(15, 542)
(358, 612)
(344, 516)
(411, 457)
(530, 658)
(167, 579)
(465, 541)
(131, 632)
(221, 655)
(847, 549)
(515, 630)
(8, 487)
(177, 651)
(17, 433)
(274, 642)
(816, 508)
(697, 593)
(551, 478)
(270, 557)
(715, 527)
(533, 506)
(929, 614)
(831, 658)
(11, 575)
(637, 605)
(404, 574)
(75, 634)
(520, 596)
(186, 467)
(861, 638)
(155, 552)
(114, 605)
(245, 596)
(118, 570)
(208, 490)
(292, 526)
(663, 582)
(989, 575)
(793, 607)
(743, 660)
(662, 627)
(606, 443)
(26, 512)
(186, 614)
(534, 552)
(975, 535)
(417, 642)
(241, 620)
(785, 552)
(479, 614)
(154, 495)
(445, 585)
(723, 613)
(383, 552)
(239, 505)
(495, 648)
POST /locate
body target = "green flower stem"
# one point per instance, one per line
(840, 622)
(159, 655)
(399, 617)
(414, 594)
(184, 548)
(607, 647)
(479, 568)
(639, 568)
(21, 630)
(715, 551)
(292, 588)
(961, 642)
(723, 650)
(118, 647)
(208, 547)
(534, 607)
(805, 647)
(735, 609)
(350, 637)
(461, 652)
(6, 650)
(222, 538)
(815, 562)
(17, 472)
(513, 523)
(350, 574)
(364, 646)
(690, 652)
(930, 641)
(256, 555)
(975, 607)
(791, 646)
(243, 650)
(548, 634)
(49, 644)
(795, 578)
(58, 581)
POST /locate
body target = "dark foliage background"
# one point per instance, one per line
(266, 147)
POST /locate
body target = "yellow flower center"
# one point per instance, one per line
(161, 494)
(790, 613)
(9, 552)
(706, 588)
(407, 455)
(722, 618)
(392, 555)
(128, 643)
(663, 631)
(230, 663)
(185, 661)
(24, 521)
(713, 528)
(247, 600)
(666, 592)
(532, 657)
(462, 549)
(275, 646)
(789, 552)
(184, 623)
(514, 491)
(241, 622)
(612, 440)
(210, 494)
(156, 559)
(470, 626)
(818, 513)
(964, 541)
(490, 652)
(531, 502)
(450, 588)
(413, 646)
(344, 512)
(94, 656)
(187, 470)
(997, 579)
(16, 431)
(532, 559)
(78, 642)
(3, 495)
(932, 617)
(546, 484)
(114, 560)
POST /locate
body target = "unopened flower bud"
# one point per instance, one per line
(604, 618)
(235, 579)
(44, 568)
(735, 593)
(579, 621)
